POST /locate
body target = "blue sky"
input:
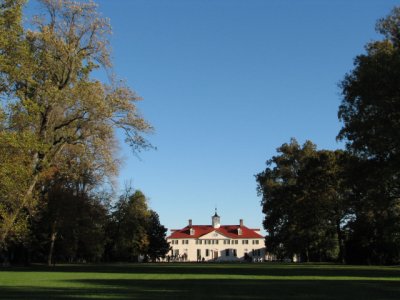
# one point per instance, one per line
(226, 82)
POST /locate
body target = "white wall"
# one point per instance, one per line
(217, 245)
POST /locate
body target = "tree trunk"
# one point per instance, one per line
(307, 255)
(339, 233)
(13, 215)
(53, 237)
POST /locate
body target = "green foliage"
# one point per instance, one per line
(303, 202)
(157, 233)
(15, 177)
(323, 204)
(390, 28)
(13, 49)
(52, 105)
(135, 231)
(130, 227)
(70, 225)
(370, 111)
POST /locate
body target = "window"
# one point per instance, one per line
(198, 253)
(216, 242)
(255, 242)
(245, 242)
(176, 252)
(234, 252)
(207, 252)
(226, 252)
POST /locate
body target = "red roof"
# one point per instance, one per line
(230, 231)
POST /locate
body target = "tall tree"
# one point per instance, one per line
(68, 225)
(71, 221)
(370, 112)
(51, 103)
(370, 109)
(278, 186)
(130, 225)
(157, 233)
(324, 181)
(305, 208)
(15, 147)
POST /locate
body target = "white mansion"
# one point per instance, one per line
(216, 242)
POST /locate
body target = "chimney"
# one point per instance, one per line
(190, 222)
(241, 222)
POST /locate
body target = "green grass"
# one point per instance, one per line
(201, 281)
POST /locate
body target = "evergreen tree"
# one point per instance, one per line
(129, 228)
(157, 233)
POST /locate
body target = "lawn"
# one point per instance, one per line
(201, 281)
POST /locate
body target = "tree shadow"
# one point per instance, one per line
(272, 269)
(211, 289)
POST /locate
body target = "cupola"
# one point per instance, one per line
(216, 220)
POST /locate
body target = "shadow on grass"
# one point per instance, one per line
(270, 269)
(211, 289)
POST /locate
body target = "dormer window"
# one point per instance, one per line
(239, 230)
(191, 231)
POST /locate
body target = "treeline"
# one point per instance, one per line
(58, 145)
(344, 205)
(74, 226)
